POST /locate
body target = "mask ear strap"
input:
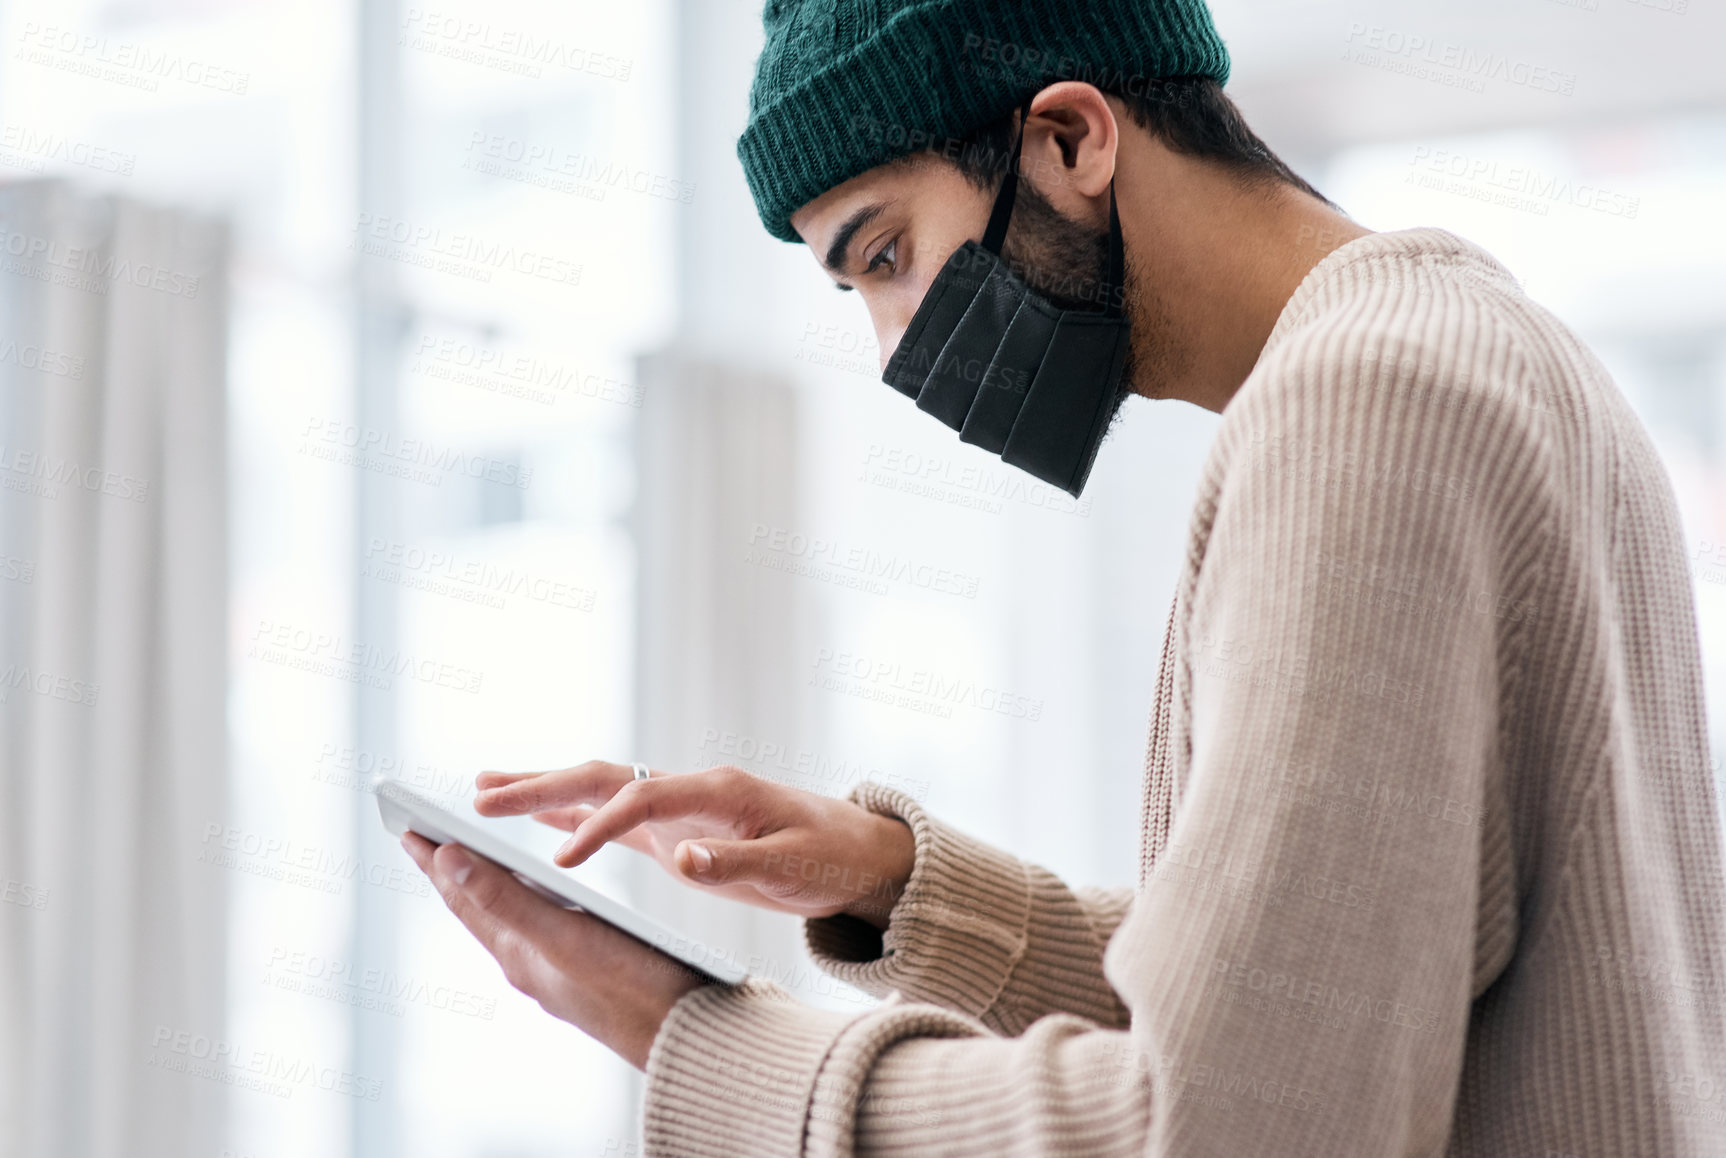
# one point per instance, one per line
(996, 234)
(1117, 259)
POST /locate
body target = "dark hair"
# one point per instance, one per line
(1190, 114)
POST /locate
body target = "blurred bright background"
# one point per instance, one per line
(517, 387)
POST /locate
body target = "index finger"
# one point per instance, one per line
(511, 794)
(719, 793)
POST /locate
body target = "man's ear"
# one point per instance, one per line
(1071, 140)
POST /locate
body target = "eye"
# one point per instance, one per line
(887, 256)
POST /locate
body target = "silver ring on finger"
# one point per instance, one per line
(641, 772)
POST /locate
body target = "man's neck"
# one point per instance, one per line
(1220, 260)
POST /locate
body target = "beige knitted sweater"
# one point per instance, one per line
(1432, 859)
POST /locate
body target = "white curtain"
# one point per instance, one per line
(717, 649)
(113, 560)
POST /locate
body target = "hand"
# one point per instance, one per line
(580, 969)
(723, 830)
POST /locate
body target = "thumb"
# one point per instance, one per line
(717, 862)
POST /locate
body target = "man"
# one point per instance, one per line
(1431, 858)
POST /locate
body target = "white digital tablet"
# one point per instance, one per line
(403, 807)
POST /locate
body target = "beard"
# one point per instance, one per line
(1068, 263)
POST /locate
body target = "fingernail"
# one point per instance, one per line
(564, 848)
(461, 868)
(701, 857)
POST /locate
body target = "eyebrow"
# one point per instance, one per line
(838, 252)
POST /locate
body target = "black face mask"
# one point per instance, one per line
(1008, 369)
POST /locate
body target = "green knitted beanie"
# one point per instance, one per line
(845, 85)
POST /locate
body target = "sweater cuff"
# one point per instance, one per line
(956, 932)
(733, 1071)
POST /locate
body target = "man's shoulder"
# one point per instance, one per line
(1414, 364)
(1418, 326)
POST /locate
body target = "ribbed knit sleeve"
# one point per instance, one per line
(979, 931)
(1301, 964)
(749, 1071)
